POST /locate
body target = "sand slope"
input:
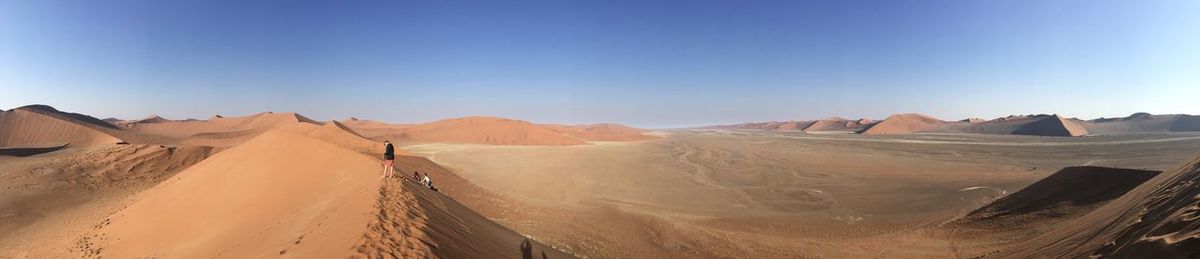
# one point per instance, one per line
(338, 134)
(483, 130)
(216, 132)
(836, 124)
(279, 193)
(1053, 125)
(26, 127)
(1155, 220)
(904, 123)
(286, 194)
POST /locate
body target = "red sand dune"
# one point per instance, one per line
(483, 130)
(297, 197)
(601, 132)
(904, 123)
(217, 132)
(1155, 220)
(26, 127)
(338, 134)
(1053, 125)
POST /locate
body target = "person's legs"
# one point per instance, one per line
(387, 167)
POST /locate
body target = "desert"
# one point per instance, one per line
(280, 184)
(599, 129)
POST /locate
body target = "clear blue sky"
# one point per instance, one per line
(645, 63)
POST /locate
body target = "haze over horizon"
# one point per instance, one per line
(660, 64)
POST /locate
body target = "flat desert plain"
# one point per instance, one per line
(732, 193)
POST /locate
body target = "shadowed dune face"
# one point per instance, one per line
(1155, 220)
(1070, 187)
(1042, 206)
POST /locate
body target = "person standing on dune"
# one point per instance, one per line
(389, 157)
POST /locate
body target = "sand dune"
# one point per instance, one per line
(338, 134)
(257, 122)
(1155, 220)
(903, 123)
(838, 124)
(601, 132)
(37, 127)
(482, 130)
(1053, 125)
(152, 119)
(216, 132)
(833, 124)
(297, 196)
(293, 195)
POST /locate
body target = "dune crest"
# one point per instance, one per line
(1053, 125)
(904, 123)
(27, 128)
(484, 130)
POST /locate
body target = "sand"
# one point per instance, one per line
(496, 131)
(282, 185)
(773, 194)
(602, 132)
(1053, 125)
(1154, 220)
(903, 124)
(278, 185)
(23, 127)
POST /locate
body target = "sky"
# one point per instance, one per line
(654, 64)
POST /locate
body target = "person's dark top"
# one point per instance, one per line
(390, 153)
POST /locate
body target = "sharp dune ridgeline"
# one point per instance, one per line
(1049, 125)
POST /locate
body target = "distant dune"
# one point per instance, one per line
(1053, 125)
(41, 126)
(833, 124)
(496, 131)
(483, 130)
(903, 123)
(1035, 125)
(152, 119)
(601, 132)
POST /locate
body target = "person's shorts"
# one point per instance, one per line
(389, 162)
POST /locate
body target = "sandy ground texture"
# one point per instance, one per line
(777, 194)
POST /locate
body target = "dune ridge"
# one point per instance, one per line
(23, 127)
(324, 201)
(1053, 125)
(903, 123)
